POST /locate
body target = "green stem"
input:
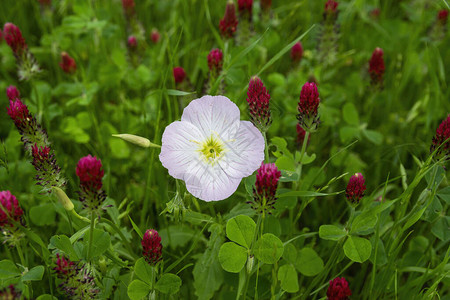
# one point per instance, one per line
(266, 148)
(302, 153)
(91, 235)
(19, 251)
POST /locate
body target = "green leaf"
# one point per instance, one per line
(441, 228)
(35, 274)
(373, 136)
(137, 290)
(331, 232)
(268, 249)
(350, 114)
(177, 93)
(285, 163)
(309, 262)
(176, 236)
(136, 228)
(63, 243)
(347, 133)
(8, 269)
(357, 249)
(100, 242)
(364, 223)
(414, 218)
(289, 279)
(307, 159)
(287, 176)
(290, 253)
(43, 214)
(168, 284)
(444, 194)
(241, 230)
(144, 271)
(232, 257)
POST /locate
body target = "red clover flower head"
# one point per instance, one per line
(297, 52)
(90, 172)
(308, 107)
(338, 289)
(151, 247)
(67, 64)
(64, 267)
(258, 99)
(229, 22)
(264, 192)
(375, 13)
(376, 66)
(128, 7)
(442, 134)
(179, 74)
(155, 36)
(14, 39)
(10, 210)
(355, 188)
(215, 61)
(245, 8)
(132, 42)
(19, 112)
(442, 16)
(331, 7)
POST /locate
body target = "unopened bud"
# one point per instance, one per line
(63, 199)
(137, 140)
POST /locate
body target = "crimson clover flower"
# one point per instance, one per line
(215, 62)
(211, 149)
(179, 74)
(258, 99)
(10, 210)
(442, 16)
(308, 107)
(265, 4)
(228, 24)
(442, 134)
(338, 289)
(152, 247)
(376, 67)
(132, 42)
(330, 10)
(245, 9)
(355, 188)
(67, 64)
(297, 52)
(90, 172)
(154, 35)
(77, 281)
(264, 192)
(14, 39)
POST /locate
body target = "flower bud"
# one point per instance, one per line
(151, 247)
(338, 289)
(48, 171)
(264, 192)
(154, 36)
(67, 64)
(442, 134)
(14, 39)
(63, 199)
(376, 67)
(128, 7)
(308, 107)
(137, 140)
(229, 22)
(258, 103)
(330, 11)
(215, 61)
(179, 74)
(297, 52)
(10, 210)
(355, 188)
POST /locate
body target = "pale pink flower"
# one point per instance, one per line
(211, 149)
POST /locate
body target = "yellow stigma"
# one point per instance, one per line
(211, 149)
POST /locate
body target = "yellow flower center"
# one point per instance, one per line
(212, 149)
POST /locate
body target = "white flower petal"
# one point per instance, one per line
(244, 153)
(213, 115)
(210, 183)
(179, 149)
